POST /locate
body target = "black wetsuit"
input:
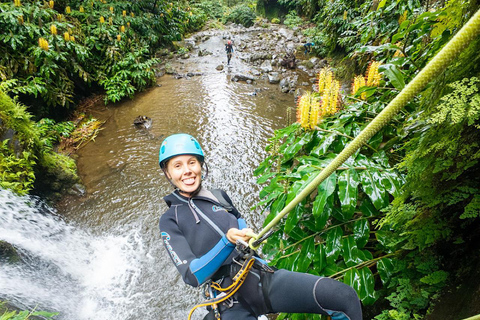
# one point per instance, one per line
(229, 51)
(194, 233)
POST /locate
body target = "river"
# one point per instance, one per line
(99, 256)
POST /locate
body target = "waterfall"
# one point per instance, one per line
(66, 269)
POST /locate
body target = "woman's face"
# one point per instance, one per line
(185, 171)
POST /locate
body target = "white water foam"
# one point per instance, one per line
(64, 268)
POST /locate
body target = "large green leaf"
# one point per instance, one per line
(275, 208)
(370, 180)
(385, 268)
(325, 190)
(392, 182)
(306, 256)
(293, 217)
(367, 208)
(394, 75)
(323, 146)
(293, 148)
(333, 246)
(320, 258)
(348, 182)
(361, 232)
(350, 251)
(367, 295)
(364, 284)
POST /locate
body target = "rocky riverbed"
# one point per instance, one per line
(262, 53)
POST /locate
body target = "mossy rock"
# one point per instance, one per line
(8, 253)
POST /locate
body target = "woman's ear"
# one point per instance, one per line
(165, 172)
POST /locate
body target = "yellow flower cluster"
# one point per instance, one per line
(42, 43)
(122, 29)
(111, 9)
(102, 20)
(53, 29)
(325, 78)
(330, 99)
(17, 3)
(124, 13)
(81, 9)
(308, 110)
(51, 3)
(345, 15)
(20, 19)
(373, 77)
(68, 10)
(403, 17)
(119, 37)
(110, 21)
(358, 82)
(328, 88)
(66, 36)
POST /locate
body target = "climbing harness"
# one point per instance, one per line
(432, 70)
(212, 287)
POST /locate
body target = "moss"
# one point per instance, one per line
(25, 158)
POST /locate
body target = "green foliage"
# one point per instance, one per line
(336, 221)
(241, 14)
(24, 315)
(16, 170)
(128, 37)
(275, 21)
(293, 20)
(30, 150)
(386, 215)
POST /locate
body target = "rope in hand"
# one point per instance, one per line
(432, 70)
(238, 280)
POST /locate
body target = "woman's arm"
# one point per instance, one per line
(194, 271)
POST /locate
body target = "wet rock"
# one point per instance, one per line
(8, 252)
(220, 67)
(189, 43)
(116, 164)
(142, 122)
(185, 56)
(260, 56)
(78, 190)
(204, 52)
(163, 52)
(169, 69)
(242, 77)
(266, 66)
(274, 77)
(160, 72)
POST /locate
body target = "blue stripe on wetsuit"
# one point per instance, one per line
(241, 224)
(204, 267)
(337, 315)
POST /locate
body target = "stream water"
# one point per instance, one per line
(103, 259)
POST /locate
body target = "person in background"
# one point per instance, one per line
(308, 47)
(201, 230)
(229, 50)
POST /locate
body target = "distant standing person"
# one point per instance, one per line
(308, 47)
(229, 50)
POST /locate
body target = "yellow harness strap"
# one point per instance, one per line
(238, 280)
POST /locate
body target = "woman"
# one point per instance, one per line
(200, 230)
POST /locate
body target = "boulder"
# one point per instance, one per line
(242, 77)
(274, 77)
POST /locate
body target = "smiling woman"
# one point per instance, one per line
(200, 231)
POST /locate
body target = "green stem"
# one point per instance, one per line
(343, 135)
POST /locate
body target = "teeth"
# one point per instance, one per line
(189, 181)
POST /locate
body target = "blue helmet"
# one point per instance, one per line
(179, 144)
